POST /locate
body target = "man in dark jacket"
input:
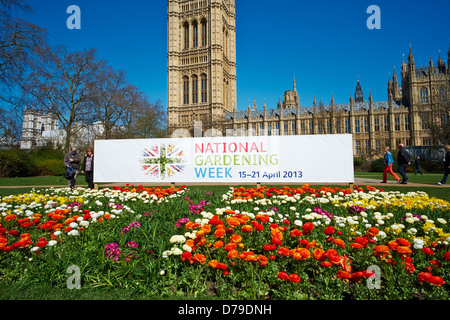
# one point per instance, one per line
(446, 165)
(403, 161)
(73, 159)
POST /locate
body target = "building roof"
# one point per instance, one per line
(357, 106)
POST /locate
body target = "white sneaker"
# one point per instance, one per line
(439, 183)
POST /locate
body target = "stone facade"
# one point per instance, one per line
(373, 124)
(35, 123)
(201, 62)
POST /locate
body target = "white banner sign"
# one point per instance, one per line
(265, 159)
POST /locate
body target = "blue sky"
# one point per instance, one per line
(325, 44)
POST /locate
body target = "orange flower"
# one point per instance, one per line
(381, 249)
(284, 251)
(276, 233)
(326, 264)
(263, 218)
(339, 242)
(247, 228)
(213, 263)
(233, 254)
(230, 246)
(200, 258)
(404, 250)
(219, 233)
(343, 274)
(318, 254)
(262, 260)
(233, 222)
(206, 228)
(373, 231)
(296, 233)
(188, 225)
(10, 217)
(403, 242)
(393, 245)
(235, 238)
(218, 244)
(190, 243)
(355, 245)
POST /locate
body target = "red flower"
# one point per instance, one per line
(308, 227)
(14, 232)
(447, 256)
(294, 278)
(8, 248)
(329, 230)
(186, 256)
(428, 251)
(283, 251)
(437, 281)
(424, 277)
(436, 264)
(283, 275)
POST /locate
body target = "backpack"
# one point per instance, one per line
(70, 173)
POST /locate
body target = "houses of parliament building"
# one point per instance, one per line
(201, 64)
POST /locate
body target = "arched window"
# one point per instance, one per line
(194, 34)
(194, 89)
(442, 94)
(186, 90)
(186, 35)
(204, 33)
(204, 81)
(423, 95)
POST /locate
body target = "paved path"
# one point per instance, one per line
(357, 182)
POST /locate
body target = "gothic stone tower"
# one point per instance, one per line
(201, 63)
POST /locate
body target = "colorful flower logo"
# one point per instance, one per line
(163, 161)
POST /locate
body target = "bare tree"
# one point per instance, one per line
(141, 118)
(107, 96)
(58, 83)
(19, 39)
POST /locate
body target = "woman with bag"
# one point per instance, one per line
(88, 168)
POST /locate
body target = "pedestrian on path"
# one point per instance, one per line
(388, 163)
(403, 161)
(417, 166)
(446, 165)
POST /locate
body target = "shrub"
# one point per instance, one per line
(50, 167)
(14, 163)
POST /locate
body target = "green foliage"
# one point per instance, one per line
(38, 162)
(15, 164)
(50, 167)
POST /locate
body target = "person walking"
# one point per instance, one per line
(73, 159)
(388, 163)
(88, 168)
(403, 161)
(417, 166)
(446, 165)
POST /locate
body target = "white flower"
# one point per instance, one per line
(84, 223)
(162, 272)
(57, 233)
(440, 220)
(51, 243)
(34, 249)
(73, 233)
(176, 251)
(73, 225)
(177, 239)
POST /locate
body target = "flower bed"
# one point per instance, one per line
(248, 243)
